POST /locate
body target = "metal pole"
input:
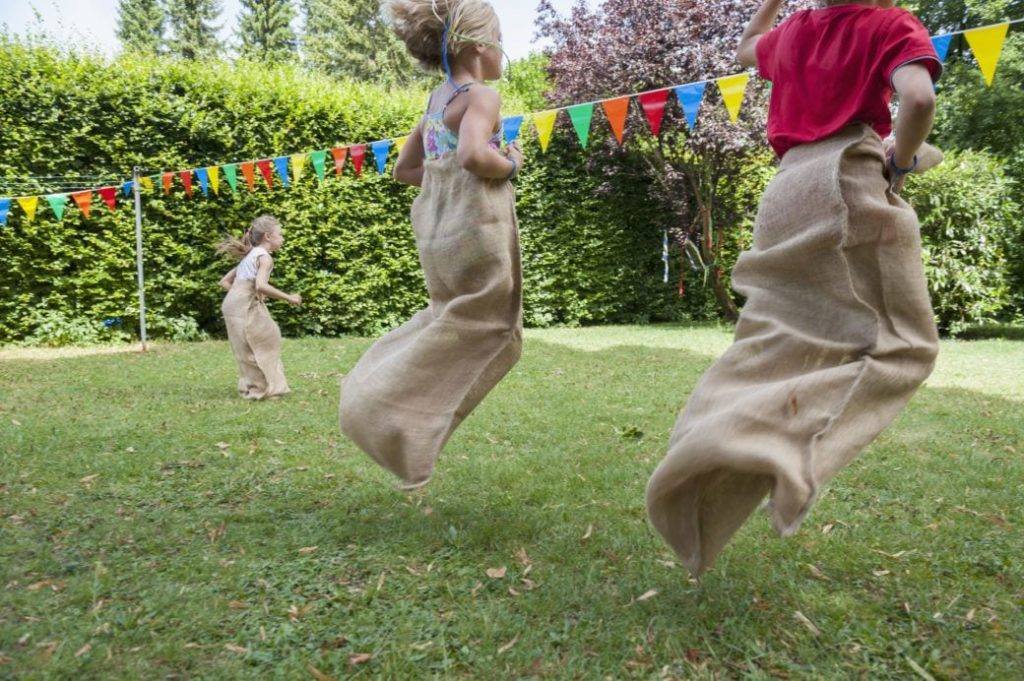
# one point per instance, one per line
(138, 256)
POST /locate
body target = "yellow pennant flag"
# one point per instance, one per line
(733, 88)
(400, 142)
(545, 123)
(29, 204)
(214, 174)
(147, 183)
(987, 45)
(298, 165)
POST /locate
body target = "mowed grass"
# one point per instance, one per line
(155, 526)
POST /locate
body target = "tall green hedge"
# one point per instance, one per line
(588, 257)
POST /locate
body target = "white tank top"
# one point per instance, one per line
(247, 268)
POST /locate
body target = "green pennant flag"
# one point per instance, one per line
(317, 158)
(580, 116)
(57, 202)
(231, 174)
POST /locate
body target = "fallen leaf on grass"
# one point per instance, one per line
(4, 659)
(87, 480)
(476, 588)
(880, 573)
(360, 658)
(920, 671)
(302, 468)
(647, 594)
(508, 646)
(512, 592)
(497, 573)
(305, 551)
(223, 445)
(818, 574)
(422, 646)
(317, 674)
(521, 556)
(83, 650)
(970, 615)
(804, 620)
(590, 530)
(24, 639)
(236, 649)
(237, 605)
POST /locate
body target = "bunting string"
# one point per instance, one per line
(985, 42)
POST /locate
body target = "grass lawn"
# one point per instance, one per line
(155, 526)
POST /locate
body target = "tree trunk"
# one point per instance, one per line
(726, 305)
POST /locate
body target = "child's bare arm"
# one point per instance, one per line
(475, 131)
(913, 84)
(762, 22)
(409, 166)
(228, 279)
(263, 266)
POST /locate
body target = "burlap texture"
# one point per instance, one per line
(836, 335)
(411, 390)
(256, 341)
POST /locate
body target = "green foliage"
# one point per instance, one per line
(264, 27)
(968, 220)
(140, 25)
(194, 35)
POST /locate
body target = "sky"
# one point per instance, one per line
(93, 23)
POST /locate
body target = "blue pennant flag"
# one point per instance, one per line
(282, 168)
(380, 152)
(690, 98)
(941, 45)
(510, 128)
(5, 208)
(127, 188)
(204, 180)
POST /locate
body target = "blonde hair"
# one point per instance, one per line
(420, 25)
(258, 230)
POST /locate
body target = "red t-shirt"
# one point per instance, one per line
(832, 67)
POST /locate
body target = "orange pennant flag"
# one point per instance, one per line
(168, 178)
(109, 195)
(84, 201)
(616, 110)
(248, 174)
(339, 154)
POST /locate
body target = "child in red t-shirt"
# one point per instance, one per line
(837, 332)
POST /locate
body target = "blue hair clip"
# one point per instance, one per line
(444, 51)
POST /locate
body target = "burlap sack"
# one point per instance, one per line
(256, 341)
(412, 389)
(836, 335)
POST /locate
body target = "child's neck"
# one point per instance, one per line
(468, 72)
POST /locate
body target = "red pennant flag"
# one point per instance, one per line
(615, 110)
(186, 177)
(109, 195)
(264, 166)
(339, 154)
(168, 178)
(654, 107)
(249, 174)
(84, 201)
(357, 152)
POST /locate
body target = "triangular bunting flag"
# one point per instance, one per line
(127, 188)
(231, 175)
(268, 175)
(690, 98)
(57, 202)
(5, 210)
(317, 158)
(186, 178)
(249, 174)
(380, 153)
(29, 204)
(987, 45)
(298, 165)
(339, 154)
(147, 183)
(545, 123)
(167, 178)
(400, 143)
(84, 202)
(510, 128)
(941, 45)
(654, 108)
(214, 173)
(281, 162)
(733, 88)
(204, 180)
(581, 115)
(109, 195)
(616, 110)
(358, 153)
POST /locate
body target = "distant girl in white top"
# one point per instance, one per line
(254, 336)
